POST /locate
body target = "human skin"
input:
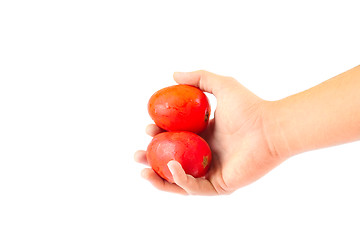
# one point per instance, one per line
(250, 136)
(325, 115)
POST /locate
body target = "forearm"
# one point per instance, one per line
(325, 115)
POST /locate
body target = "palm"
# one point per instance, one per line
(236, 138)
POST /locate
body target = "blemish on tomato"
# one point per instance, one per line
(207, 115)
(205, 161)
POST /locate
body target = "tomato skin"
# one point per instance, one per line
(180, 108)
(189, 149)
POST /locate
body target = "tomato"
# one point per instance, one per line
(180, 108)
(189, 149)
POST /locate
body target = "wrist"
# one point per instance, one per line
(322, 116)
(276, 131)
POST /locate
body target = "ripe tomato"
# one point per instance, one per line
(189, 149)
(180, 108)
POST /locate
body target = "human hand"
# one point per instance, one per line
(237, 135)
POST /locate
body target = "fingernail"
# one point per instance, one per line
(170, 165)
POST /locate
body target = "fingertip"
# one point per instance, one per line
(138, 154)
(140, 157)
(179, 74)
(189, 78)
(178, 173)
(145, 173)
(176, 75)
(153, 129)
(174, 166)
(204, 80)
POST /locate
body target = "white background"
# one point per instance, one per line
(75, 78)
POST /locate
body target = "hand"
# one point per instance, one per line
(237, 135)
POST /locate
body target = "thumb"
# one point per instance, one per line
(193, 186)
(206, 81)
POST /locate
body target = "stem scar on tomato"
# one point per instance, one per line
(205, 161)
(207, 115)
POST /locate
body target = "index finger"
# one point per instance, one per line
(206, 81)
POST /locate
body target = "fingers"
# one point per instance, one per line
(184, 184)
(206, 81)
(140, 157)
(193, 186)
(153, 129)
(160, 183)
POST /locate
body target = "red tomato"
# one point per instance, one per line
(189, 149)
(180, 108)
